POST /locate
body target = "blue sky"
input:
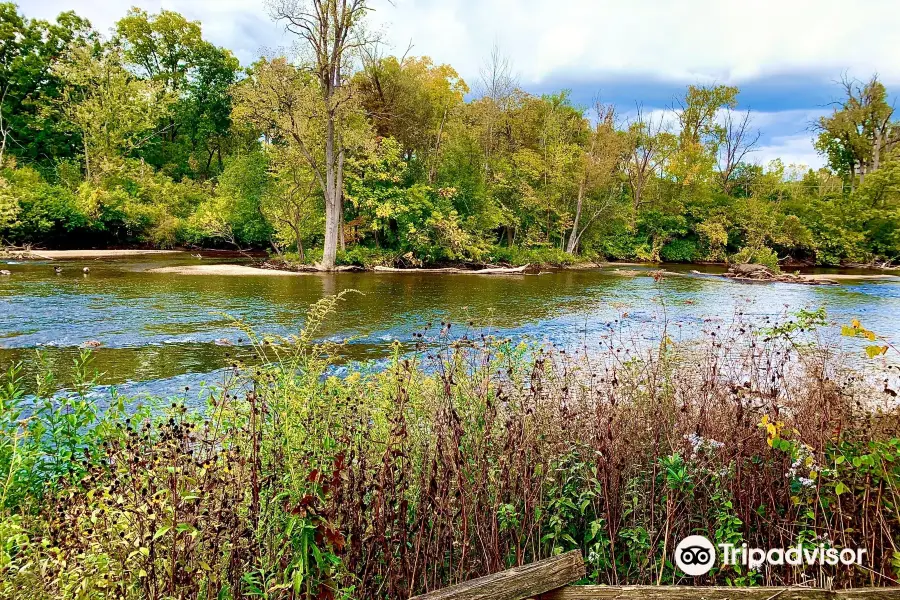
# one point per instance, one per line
(785, 55)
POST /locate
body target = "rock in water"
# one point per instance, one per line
(86, 270)
(5, 272)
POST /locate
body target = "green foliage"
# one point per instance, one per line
(680, 251)
(31, 87)
(758, 256)
(550, 257)
(362, 256)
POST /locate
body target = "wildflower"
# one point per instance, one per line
(701, 444)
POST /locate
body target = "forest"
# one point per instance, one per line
(152, 136)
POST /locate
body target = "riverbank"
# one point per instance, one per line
(612, 268)
(280, 267)
(76, 254)
(222, 269)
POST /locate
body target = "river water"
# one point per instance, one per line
(161, 332)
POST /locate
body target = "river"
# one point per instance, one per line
(160, 332)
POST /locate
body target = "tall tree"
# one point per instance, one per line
(859, 133)
(114, 111)
(600, 164)
(331, 30)
(164, 46)
(169, 50)
(412, 100)
(33, 127)
(649, 145)
(700, 134)
(737, 140)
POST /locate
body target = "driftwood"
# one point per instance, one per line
(527, 581)
(760, 273)
(485, 271)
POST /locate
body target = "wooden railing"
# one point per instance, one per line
(548, 579)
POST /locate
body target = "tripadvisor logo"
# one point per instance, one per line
(695, 555)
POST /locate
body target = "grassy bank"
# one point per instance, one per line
(468, 456)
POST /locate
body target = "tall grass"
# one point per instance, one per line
(467, 456)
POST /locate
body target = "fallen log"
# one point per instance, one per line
(651, 592)
(526, 581)
(485, 271)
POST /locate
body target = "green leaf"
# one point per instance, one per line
(873, 351)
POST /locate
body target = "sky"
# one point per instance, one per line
(786, 56)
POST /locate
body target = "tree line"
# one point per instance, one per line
(154, 136)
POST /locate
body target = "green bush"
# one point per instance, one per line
(362, 256)
(680, 251)
(761, 256)
(551, 257)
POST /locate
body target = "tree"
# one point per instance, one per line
(700, 135)
(736, 142)
(114, 111)
(499, 91)
(34, 128)
(164, 46)
(413, 101)
(600, 164)
(168, 49)
(292, 204)
(648, 147)
(331, 30)
(859, 133)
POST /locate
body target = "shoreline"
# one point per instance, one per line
(223, 269)
(610, 268)
(623, 268)
(76, 254)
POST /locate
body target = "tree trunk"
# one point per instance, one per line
(332, 198)
(87, 159)
(432, 172)
(341, 241)
(573, 237)
(876, 150)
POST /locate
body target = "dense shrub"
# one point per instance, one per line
(758, 256)
(552, 257)
(458, 459)
(680, 251)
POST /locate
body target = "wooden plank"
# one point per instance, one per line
(515, 584)
(651, 592)
(873, 593)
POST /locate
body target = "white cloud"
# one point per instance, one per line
(725, 40)
(791, 149)
(690, 40)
